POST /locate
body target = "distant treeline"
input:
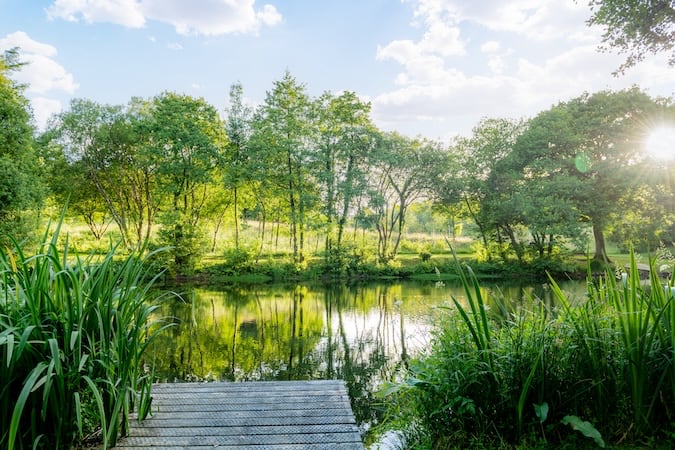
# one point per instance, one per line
(167, 168)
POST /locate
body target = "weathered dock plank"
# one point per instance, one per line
(253, 415)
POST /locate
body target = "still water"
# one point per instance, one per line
(363, 334)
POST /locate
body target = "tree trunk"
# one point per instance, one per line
(401, 225)
(294, 219)
(276, 238)
(478, 223)
(263, 223)
(301, 233)
(219, 222)
(348, 195)
(514, 242)
(550, 245)
(600, 249)
(236, 220)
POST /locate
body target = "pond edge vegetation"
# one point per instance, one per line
(592, 372)
(72, 341)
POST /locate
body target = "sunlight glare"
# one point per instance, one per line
(660, 143)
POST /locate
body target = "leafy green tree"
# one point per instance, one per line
(101, 163)
(636, 27)
(183, 141)
(238, 127)
(549, 213)
(591, 149)
(346, 141)
(283, 144)
(69, 183)
(404, 170)
(480, 183)
(647, 219)
(20, 185)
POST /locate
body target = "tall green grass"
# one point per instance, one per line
(587, 371)
(72, 341)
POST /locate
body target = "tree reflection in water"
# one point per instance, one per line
(363, 334)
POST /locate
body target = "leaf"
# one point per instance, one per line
(10, 347)
(387, 389)
(541, 411)
(28, 386)
(585, 428)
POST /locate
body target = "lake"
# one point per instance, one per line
(361, 333)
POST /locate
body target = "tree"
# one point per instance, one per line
(479, 182)
(283, 144)
(184, 138)
(647, 219)
(403, 171)
(345, 143)
(591, 148)
(238, 130)
(636, 27)
(70, 183)
(20, 184)
(547, 209)
(101, 162)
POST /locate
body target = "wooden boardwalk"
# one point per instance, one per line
(253, 415)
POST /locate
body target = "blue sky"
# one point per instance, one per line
(429, 67)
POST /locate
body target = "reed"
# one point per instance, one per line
(74, 333)
(603, 361)
(642, 318)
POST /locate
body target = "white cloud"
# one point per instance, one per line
(542, 65)
(43, 109)
(41, 73)
(203, 17)
(27, 45)
(269, 16)
(496, 64)
(536, 19)
(121, 12)
(442, 39)
(490, 47)
(400, 51)
(174, 46)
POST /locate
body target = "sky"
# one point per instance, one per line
(430, 68)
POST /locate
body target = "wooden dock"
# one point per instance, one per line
(252, 415)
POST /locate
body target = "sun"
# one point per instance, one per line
(660, 143)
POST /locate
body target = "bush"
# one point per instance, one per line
(408, 246)
(344, 260)
(185, 244)
(240, 260)
(425, 256)
(553, 266)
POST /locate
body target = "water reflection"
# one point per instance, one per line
(362, 334)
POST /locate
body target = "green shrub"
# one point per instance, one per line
(425, 256)
(408, 246)
(185, 243)
(341, 261)
(240, 260)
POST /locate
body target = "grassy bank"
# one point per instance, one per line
(439, 267)
(594, 372)
(420, 256)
